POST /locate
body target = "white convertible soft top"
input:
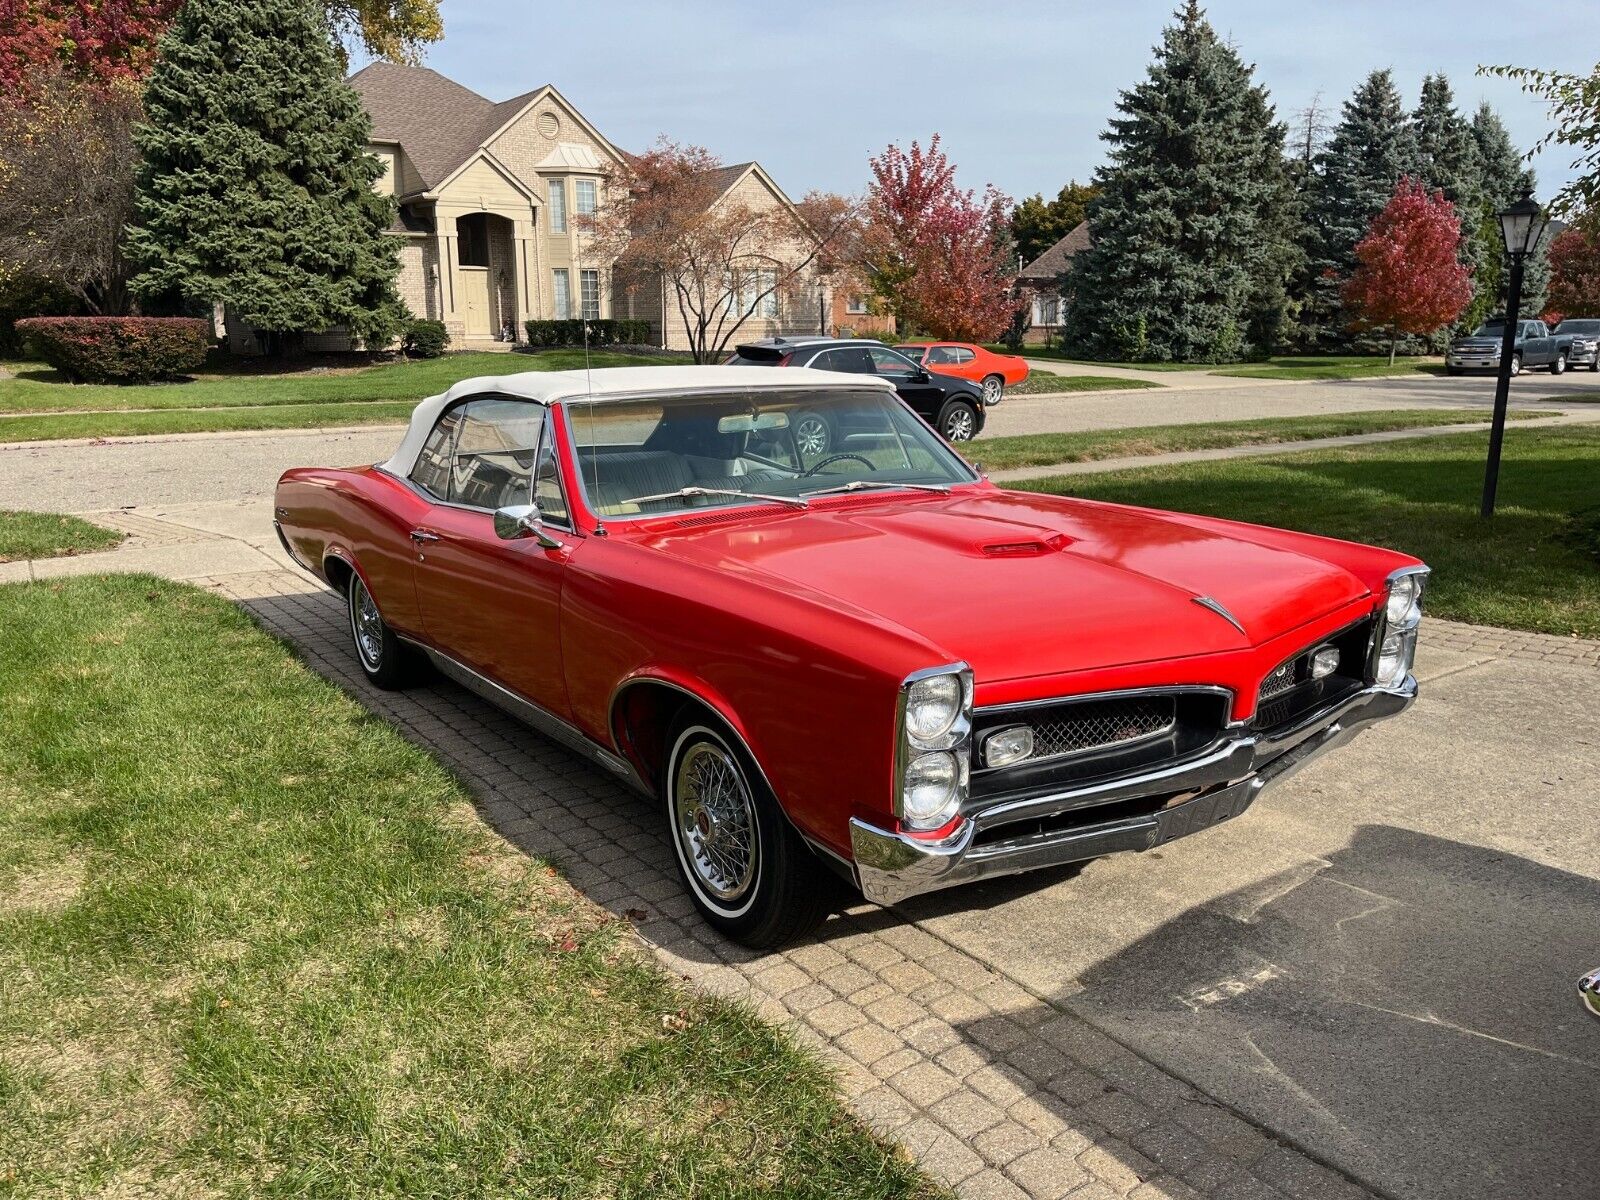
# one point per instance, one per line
(617, 383)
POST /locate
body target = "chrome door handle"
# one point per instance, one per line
(423, 535)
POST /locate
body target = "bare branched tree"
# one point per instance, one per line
(720, 259)
(66, 172)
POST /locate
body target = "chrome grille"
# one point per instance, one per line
(1099, 724)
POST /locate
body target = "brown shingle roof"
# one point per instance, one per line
(438, 123)
(1050, 265)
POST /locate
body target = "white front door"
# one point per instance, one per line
(475, 301)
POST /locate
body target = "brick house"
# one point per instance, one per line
(488, 195)
(1039, 281)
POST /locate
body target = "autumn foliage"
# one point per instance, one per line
(1409, 277)
(99, 42)
(1575, 274)
(118, 349)
(938, 256)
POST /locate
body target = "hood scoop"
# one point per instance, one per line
(1026, 547)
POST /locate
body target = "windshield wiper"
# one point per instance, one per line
(689, 492)
(858, 485)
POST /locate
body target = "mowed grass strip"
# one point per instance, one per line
(1332, 366)
(37, 388)
(1047, 382)
(253, 942)
(26, 535)
(47, 426)
(1094, 445)
(1525, 569)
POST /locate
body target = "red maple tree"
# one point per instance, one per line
(1410, 278)
(98, 42)
(1574, 274)
(939, 256)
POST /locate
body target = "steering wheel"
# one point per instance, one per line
(833, 458)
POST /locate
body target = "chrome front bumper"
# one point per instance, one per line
(892, 866)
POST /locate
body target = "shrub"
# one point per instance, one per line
(118, 349)
(602, 332)
(887, 336)
(26, 296)
(424, 339)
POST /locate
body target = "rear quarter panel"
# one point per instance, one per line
(363, 516)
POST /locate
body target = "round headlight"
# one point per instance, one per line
(930, 794)
(1404, 593)
(932, 706)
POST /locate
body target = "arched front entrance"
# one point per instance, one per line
(486, 270)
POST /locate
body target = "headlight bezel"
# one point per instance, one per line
(1399, 631)
(953, 740)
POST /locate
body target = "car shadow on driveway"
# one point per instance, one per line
(1405, 1012)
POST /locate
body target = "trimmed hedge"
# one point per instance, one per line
(424, 339)
(601, 333)
(118, 349)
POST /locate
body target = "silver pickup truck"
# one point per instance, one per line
(1582, 335)
(1535, 346)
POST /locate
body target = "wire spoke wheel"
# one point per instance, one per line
(714, 820)
(366, 624)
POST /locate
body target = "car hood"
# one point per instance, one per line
(1019, 585)
(1475, 343)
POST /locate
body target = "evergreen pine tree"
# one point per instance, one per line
(1502, 176)
(1371, 148)
(1447, 161)
(256, 188)
(1178, 269)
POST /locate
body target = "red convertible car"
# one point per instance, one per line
(994, 373)
(870, 661)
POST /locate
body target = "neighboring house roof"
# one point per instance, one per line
(1050, 265)
(441, 125)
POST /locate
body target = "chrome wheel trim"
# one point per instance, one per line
(366, 625)
(715, 829)
(811, 436)
(993, 389)
(1516, 364)
(958, 426)
(1560, 366)
(1589, 992)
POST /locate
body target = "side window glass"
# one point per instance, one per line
(432, 472)
(547, 493)
(887, 362)
(941, 356)
(495, 452)
(853, 359)
(963, 356)
(828, 360)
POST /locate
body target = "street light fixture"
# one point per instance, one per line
(1521, 226)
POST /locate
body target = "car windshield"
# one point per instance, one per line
(1490, 329)
(1585, 326)
(652, 457)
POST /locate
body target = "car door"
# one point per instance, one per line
(492, 604)
(1538, 347)
(918, 388)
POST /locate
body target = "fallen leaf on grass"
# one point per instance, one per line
(674, 1022)
(637, 914)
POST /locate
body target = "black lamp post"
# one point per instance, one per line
(1521, 227)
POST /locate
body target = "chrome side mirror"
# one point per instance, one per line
(523, 520)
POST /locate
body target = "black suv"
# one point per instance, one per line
(952, 406)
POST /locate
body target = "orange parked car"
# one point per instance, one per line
(990, 371)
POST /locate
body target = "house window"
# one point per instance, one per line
(1046, 310)
(558, 206)
(472, 240)
(583, 193)
(744, 290)
(856, 306)
(563, 295)
(589, 283)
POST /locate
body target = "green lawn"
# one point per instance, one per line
(37, 388)
(1046, 382)
(255, 943)
(1048, 352)
(50, 535)
(1045, 449)
(1524, 569)
(37, 427)
(1331, 366)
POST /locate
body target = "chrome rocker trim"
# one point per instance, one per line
(540, 718)
(892, 866)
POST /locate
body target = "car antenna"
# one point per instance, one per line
(594, 446)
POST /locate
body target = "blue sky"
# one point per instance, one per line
(1020, 92)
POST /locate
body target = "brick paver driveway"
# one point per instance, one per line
(1368, 977)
